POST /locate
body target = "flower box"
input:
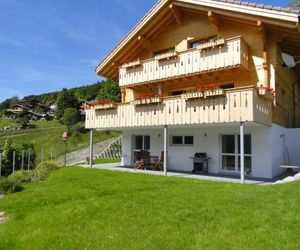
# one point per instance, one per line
(214, 92)
(204, 94)
(265, 93)
(132, 64)
(166, 56)
(147, 101)
(105, 106)
(194, 95)
(217, 43)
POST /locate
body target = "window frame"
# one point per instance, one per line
(143, 142)
(183, 138)
(236, 153)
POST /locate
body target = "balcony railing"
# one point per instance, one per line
(233, 54)
(242, 104)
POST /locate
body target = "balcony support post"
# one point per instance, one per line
(91, 148)
(242, 152)
(166, 150)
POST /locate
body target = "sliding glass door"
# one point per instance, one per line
(230, 153)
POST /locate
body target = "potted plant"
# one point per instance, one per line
(266, 92)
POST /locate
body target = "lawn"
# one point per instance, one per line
(48, 135)
(7, 123)
(102, 161)
(93, 209)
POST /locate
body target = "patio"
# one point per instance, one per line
(207, 177)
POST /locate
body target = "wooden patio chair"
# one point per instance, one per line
(144, 160)
(158, 163)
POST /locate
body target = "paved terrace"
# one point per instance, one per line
(217, 178)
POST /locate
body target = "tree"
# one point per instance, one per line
(8, 102)
(70, 118)
(66, 99)
(110, 91)
(7, 148)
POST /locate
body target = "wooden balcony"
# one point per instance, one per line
(235, 105)
(233, 54)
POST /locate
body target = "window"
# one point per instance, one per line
(231, 153)
(161, 52)
(196, 43)
(189, 140)
(179, 92)
(227, 86)
(142, 142)
(179, 140)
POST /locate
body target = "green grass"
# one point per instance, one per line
(7, 123)
(102, 161)
(48, 135)
(92, 209)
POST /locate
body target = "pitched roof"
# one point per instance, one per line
(269, 12)
(295, 9)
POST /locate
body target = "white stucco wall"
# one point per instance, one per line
(205, 140)
(293, 143)
(268, 150)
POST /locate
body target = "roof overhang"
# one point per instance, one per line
(289, 22)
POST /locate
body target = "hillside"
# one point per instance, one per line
(88, 92)
(47, 136)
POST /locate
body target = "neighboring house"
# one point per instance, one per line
(82, 105)
(17, 109)
(195, 74)
(52, 106)
(32, 108)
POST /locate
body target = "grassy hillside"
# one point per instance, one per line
(110, 210)
(48, 135)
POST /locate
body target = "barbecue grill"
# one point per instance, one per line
(200, 163)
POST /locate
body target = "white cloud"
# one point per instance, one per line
(12, 42)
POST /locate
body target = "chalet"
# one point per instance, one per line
(30, 107)
(208, 77)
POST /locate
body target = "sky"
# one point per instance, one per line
(49, 45)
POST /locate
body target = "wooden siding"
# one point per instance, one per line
(236, 105)
(189, 62)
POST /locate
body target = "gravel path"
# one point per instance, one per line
(81, 155)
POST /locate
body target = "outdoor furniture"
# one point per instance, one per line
(200, 161)
(289, 168)
(142, 159)
(158, 162)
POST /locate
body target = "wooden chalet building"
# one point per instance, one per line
(197, 74)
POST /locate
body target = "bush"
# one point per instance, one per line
(42, 170)
(48, 166)
(14, 182)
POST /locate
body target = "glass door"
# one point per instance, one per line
(230, 153)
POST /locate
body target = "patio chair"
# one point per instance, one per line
(144, 160)
(158, 163)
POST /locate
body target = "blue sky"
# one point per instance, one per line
(48, 45)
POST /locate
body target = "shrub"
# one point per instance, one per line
(48, 166)
(14, 182)
(42, 170)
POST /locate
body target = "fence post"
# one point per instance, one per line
(22, 164)
(14, 161)
(29, 159)
(51, 153)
